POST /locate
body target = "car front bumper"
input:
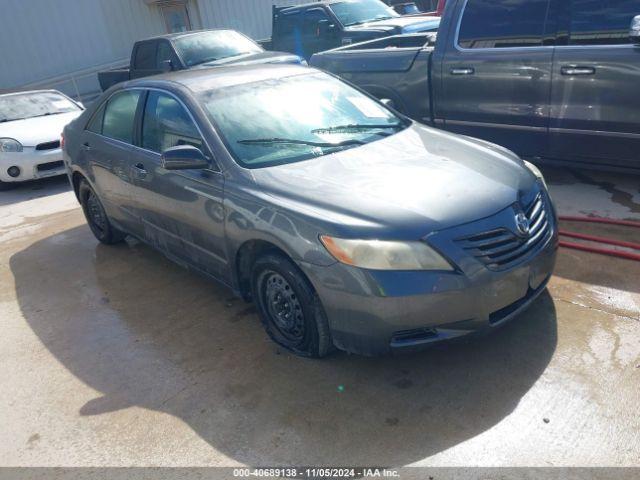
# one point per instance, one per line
(375, 312)
(33, 164)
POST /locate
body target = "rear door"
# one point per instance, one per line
(182, 211)
(595, 115)
(107, 147)
(496, 73)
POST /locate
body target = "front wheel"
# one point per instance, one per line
(289, 308)
(96, 216)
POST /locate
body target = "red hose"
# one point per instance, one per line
(593, 238)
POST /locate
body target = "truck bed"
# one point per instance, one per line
(395, 68)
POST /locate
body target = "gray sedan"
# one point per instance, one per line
(347, 224)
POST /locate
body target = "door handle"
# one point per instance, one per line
(462, 71)
(86, 146)
(577, 70)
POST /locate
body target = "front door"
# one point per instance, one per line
(182, 211)
(496, 82)
(595, 114)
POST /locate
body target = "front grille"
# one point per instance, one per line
(501, 248)
(43, 167)
(48, 145)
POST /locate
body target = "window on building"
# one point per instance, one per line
(120, 114)
(176, 18)
(503, 23)
(167, 124)
(602, 22)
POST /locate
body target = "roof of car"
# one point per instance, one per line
(310, 4)
(204, 79)
(173, 36)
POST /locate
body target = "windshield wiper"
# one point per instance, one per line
(356, 127)
(292, 141)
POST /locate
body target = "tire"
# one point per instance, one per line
(281, 290)
(96, 216)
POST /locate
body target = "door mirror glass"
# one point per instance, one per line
(184, 157)
(634, 32)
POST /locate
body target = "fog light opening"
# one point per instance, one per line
(13, 171)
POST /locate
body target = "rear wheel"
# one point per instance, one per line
(96, 216)
(289, 308)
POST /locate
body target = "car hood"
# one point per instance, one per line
(404, 186)
(401, 24)
(32, 131)
(255, 58)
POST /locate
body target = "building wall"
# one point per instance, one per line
(63, 43)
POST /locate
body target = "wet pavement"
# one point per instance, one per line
(116, 356)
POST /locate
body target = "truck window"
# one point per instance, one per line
(145, 56)
(120, 115)
(165, 52)
(602, 22)
(311, 22)
(167, 124)
(503, 23)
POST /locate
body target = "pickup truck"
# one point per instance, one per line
(186, 50)
(549, 79)
(315, 27)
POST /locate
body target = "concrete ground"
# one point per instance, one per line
(115, 356)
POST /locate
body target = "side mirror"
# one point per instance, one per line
(184, 157)
(167, 66)
(634, 31)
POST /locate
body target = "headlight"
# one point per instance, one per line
(385, 255)
(536, 171)
(10, 145)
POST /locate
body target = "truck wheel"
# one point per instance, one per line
(96, 216)
(289, 308)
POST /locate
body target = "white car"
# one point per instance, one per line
(30, 127)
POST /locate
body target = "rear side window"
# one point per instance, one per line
(287, 24)
(503, 23)
(119, 116)
(146, 56)
(602, 22)
(167, 124)
(95, 125)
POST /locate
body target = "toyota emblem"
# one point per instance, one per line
(522, 224)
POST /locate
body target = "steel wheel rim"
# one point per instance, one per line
(284, 307)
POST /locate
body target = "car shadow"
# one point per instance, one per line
(33, 189)
(145, 332)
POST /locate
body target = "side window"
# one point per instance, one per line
(602, 22)
(503, 23)
(95, 124)
(120, 114)
(312, 18)
(167, 124)
(145, 56)
(165, 52)
(286, 24)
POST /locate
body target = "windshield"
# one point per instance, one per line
(354, 12)
(29, 105)
(214, 45)
(295, 118)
